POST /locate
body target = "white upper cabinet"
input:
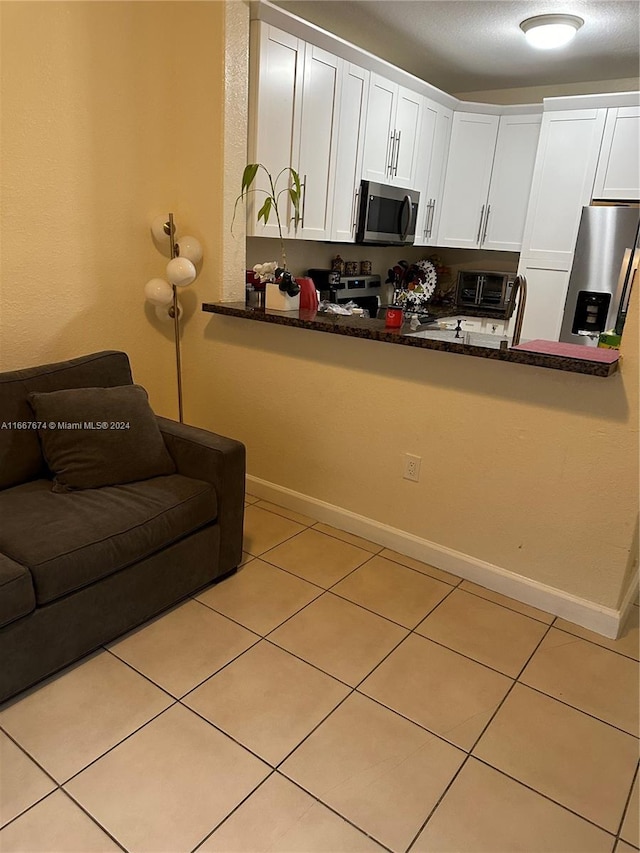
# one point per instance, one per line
(488, 180)
(466, 188)
(394, 117)
(318, 141)
(277, 60)
(432, 159)
(562, 184)
(618, 172)
(511, 179)
(349, 151)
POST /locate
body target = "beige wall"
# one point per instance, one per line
(110, 116)
(106, 124)
(535, 94)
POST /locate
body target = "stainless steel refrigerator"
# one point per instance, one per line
(604, 266)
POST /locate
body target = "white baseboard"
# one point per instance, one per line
(602, 620)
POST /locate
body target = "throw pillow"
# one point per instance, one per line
(94, 437)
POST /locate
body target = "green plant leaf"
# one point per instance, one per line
(248, 176)
(265, 210)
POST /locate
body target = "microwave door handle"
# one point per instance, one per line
(406, 202)
(479, 286)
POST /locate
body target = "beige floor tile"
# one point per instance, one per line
(627, 644)
(358, 541)
(623, 847)
(267, 700)
(425, 568)
(376, 769)
(166, 787)
(179, 649)
(484, 631)
(56, 825)
(630, 831)
(393, 591)
(590, 678)
(439, 689)
(280, 817)
(263, 530)
(485, 812)
(250, 499)
(291, 514)
(22, 782)
(260, 596)
(317, 558)
(339, 637)
(78, 715)
(511, 603)
(579, 762)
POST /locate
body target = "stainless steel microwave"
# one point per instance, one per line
(387, 215)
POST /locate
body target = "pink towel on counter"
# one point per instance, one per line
(585, 353)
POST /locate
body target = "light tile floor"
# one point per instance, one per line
(331, 696)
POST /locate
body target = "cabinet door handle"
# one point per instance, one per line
(355, 209)
(392, 147)
(304, 199)
(395, 168)
(486, 224)
(431, 216)
(480, 225)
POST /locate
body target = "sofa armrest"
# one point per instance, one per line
(220, 461)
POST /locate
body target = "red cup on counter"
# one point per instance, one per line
(308, 294)
(393, 318)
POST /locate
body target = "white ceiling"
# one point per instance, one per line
(475, 45)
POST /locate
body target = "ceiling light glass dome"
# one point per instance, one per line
(549, 31)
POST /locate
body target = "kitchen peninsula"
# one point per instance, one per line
(567, 357)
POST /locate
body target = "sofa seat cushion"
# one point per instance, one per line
(17, 597)
(69, 540)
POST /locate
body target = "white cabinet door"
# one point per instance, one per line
(318, 140)
(546, 296)
(432, 156)
(471, 152)
(349, 150)
(380, 130)
(408, 121)
(563, 180)
(394, 116)
(618, 172)
(277, 60)
(511, 179)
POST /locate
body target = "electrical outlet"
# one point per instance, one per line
(412, 467)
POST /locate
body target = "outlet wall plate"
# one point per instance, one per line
(412, 467)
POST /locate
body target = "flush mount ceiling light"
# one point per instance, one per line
(549, 31)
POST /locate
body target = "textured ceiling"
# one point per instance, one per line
(473, 45)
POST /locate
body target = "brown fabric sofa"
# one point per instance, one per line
(80, 568)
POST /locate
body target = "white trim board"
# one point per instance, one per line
(602, 620)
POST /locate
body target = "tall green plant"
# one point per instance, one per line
(272, 199)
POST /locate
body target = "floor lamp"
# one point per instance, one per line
(185, 253)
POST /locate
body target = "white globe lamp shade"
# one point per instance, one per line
(160, 228)
(158, 292)
(181, 272)
(189, 248)
(546, 32)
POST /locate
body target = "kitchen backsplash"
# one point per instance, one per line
(303, 255)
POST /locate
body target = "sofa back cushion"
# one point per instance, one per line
(21, 458)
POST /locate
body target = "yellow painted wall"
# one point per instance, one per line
(105, 123)
(108, 119)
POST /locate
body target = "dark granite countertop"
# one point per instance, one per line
(374, 330)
